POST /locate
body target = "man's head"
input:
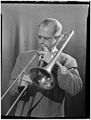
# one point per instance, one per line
(49, 31)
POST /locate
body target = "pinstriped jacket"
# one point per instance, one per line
(42, 103)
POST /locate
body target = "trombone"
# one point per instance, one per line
(41, 77)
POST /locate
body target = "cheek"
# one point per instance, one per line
(49, 44)
(52, 42)
(39, 41)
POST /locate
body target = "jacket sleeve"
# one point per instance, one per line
(16, 71)
(71, 81)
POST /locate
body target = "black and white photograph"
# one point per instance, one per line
(45, 69)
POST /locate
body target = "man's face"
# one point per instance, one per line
(46, 36)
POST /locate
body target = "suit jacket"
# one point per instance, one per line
(46, 103)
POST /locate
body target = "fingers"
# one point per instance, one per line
(42, 52)
(45, 48)
(26, 78)
(23, 83)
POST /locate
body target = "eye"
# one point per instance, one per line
(45, 38)
(39, 37)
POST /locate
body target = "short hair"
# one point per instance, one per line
(57, 25)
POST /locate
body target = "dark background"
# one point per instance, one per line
(19, 28)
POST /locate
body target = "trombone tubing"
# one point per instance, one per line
(16, 100)
(18, 77)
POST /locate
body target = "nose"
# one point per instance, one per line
(41, 40)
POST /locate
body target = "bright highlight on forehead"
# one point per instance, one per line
(47, 30)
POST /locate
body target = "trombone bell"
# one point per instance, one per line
(41, 78)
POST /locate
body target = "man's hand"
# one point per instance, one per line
(24, 80)
(62, 68)
(47, 56)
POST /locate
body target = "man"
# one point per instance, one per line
(36, 102)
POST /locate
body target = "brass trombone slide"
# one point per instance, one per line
(17, 78)
(17, 100)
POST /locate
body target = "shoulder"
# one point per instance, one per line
(68, 60)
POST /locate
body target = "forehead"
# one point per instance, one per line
(46, 30)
